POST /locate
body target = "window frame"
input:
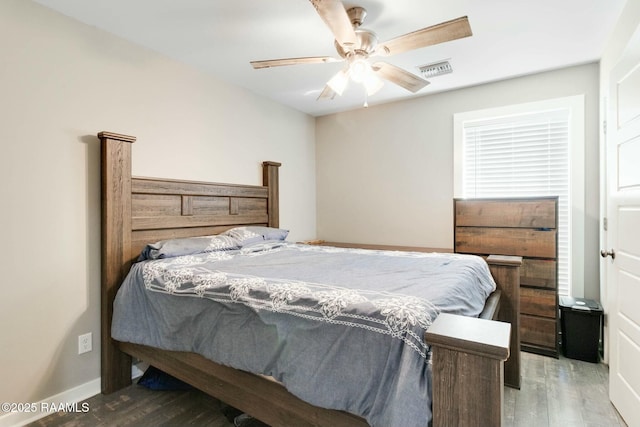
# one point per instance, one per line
(575, 106)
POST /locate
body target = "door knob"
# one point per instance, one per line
(611, 253)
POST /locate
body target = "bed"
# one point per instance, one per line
(467, 353)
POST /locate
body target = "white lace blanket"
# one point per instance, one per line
(340, 328)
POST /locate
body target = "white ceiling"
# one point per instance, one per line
(510, 38)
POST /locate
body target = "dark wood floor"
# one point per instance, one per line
(555, 392)
(137, 406)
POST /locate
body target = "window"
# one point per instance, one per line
(530, 150)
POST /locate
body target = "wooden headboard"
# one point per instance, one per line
(137, 211)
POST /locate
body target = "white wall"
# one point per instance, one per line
(61, 82)
(385, 174)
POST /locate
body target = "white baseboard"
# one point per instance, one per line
(68, 399)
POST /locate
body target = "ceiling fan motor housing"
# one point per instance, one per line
(366, 43)
(366, 40)
(356, 15)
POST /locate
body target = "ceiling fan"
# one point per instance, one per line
(357, 45)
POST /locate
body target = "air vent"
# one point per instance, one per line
(436, 69)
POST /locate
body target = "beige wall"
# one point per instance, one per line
(60, 83)
(385, 174)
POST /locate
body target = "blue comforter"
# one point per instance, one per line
(340, 328)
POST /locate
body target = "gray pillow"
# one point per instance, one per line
(188, 246)
(254, 234)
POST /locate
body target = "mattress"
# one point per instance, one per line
(339, 328)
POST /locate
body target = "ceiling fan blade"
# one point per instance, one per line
(401, 77)
(327, 93)
(440, 33)
(292, 61)
(335, 16)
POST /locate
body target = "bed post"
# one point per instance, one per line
(271, 181)
(468, 356)
(506, 273)
(116, 244)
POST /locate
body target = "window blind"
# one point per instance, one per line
(522, 156)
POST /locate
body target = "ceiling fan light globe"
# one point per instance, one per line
(338, 82)
(372, 84)
(359, 70)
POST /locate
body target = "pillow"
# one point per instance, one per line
(261, 246)
(254, 234)
(188, 246)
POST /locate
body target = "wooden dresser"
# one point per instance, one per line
(526, 227)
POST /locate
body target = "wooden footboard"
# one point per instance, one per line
(467, 372)
(139, 210)
(469, 355)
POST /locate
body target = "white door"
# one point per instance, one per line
(623, 237)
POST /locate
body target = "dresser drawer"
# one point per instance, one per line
(533, 213)
(538, 302)
(540, 273)
(525, 242)
(538, 331)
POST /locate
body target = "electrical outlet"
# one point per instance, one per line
(84, 343)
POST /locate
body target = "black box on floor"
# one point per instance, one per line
(580, 321)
